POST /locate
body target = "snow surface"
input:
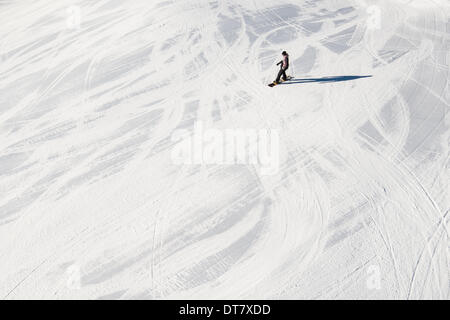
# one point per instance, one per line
(93, 206)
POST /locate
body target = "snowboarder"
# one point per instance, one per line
(284, 66)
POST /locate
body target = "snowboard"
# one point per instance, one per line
(273, 84)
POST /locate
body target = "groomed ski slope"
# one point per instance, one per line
(93, 206)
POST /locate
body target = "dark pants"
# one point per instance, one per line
(281, 73)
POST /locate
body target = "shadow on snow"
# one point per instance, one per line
(325, 79)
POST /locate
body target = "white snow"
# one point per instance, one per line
(93, 206)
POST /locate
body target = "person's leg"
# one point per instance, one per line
(284, 75)
(280, 73)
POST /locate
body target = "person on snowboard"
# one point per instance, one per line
(284, 66)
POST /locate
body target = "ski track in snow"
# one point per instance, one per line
(92, 206)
